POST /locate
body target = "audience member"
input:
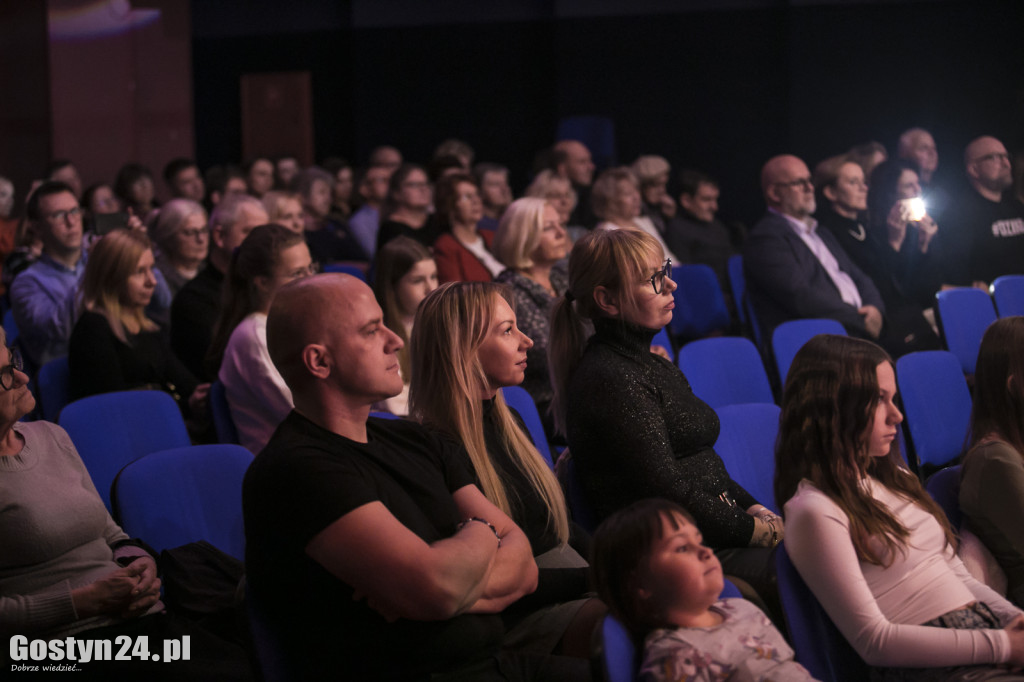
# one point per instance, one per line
(984, 235)
(6, 198)
(462, 251)
(184, 180)
(465, 347)
(341, 188)
(42, 296)
(868, 155)
(365, 222)
(270, 257)
(99, 199)
(182, 239)
(285, 169)
(404, 274)
(617, 402)
(196, 307)
(617, 203)
(557, 191)
(573, 162)
(386, 156)
(259, 176)
(459, 149)
(8, 223)
(63, 170)
(68, 569)
(492, 178)
(221, 181)
(329, 241)
(441, 167)
(696, 235)
(794, 270)
(361, 517)
(532, 244)
(992, 484)
(652, 568)
(114, 346)
(652, 175)
(918, 146)
(406, 209)
(871, 544)
(135, 188)
(285, 208)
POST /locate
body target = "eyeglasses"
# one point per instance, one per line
(7, 373)
(57, 217)
(657, 280)
(197, 233)
(799, 182)
(308, 271)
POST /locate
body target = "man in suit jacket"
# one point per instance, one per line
(794, 270)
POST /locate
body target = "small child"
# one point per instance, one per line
(654, 574)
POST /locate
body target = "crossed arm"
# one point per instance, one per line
(401, 576)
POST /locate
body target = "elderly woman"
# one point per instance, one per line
(67, 568)
(532, 244)
(617, 203)
(558, 191)
(183, 239)
(462, 251)
(652, 174)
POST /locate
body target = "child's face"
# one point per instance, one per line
(681, 577)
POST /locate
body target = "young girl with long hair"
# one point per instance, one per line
(268, 258)
(651, 567)
(405, 273)
(992, 485)
(114, 346)
(465, 347)
(875, 549)
(634, 426)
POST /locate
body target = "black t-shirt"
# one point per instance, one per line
(194, 311)
(305, 480)
(981, 240)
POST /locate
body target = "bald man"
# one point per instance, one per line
(982, 236)
(794, 270)
(572, 160)
(366, 537)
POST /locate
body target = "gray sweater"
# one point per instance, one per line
(55, 535)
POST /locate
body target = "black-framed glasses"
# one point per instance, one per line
(58, 217)
(657, 280)
(799, 182)
(7, 372)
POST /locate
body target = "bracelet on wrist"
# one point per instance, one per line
(477, 519)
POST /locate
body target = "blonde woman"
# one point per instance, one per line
(465, 347)
(558, 190)
(532, 243)
(114, 346)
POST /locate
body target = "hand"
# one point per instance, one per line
(1015, 630)
(927, 229)
(660, 350)
(872, 320)
(197, 401)
(134, 222)
(147, 590)
(110, 594)
(896, 222)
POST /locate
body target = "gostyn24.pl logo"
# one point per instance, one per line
(71, 650)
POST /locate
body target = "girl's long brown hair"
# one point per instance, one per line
(828, 406)
(998, 407)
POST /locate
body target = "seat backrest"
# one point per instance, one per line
(110, 430)
(936, 403)
(173, 497)
(1008, 292)
(518, 398)
(353, 270)
(222, 421)
(944, 487)
(662, 339)
(617, 656)
(725, 370)
(700, 305)
(790, 336)
(54, 387)
(746, 443)
(738, 284)
(964, 315)
(575, 498)
(818, 644)
(10, 327)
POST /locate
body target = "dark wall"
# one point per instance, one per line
(720, 90)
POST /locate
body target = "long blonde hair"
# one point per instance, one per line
(609, 258)
(111, 261)
(447, 376)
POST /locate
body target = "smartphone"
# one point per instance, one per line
(102, 223)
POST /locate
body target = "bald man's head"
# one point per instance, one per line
(575, 162)
(330, 328)
(988, 167)
(787, 186)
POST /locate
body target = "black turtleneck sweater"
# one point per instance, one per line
(636, 430)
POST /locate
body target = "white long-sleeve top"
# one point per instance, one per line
(879, 609)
